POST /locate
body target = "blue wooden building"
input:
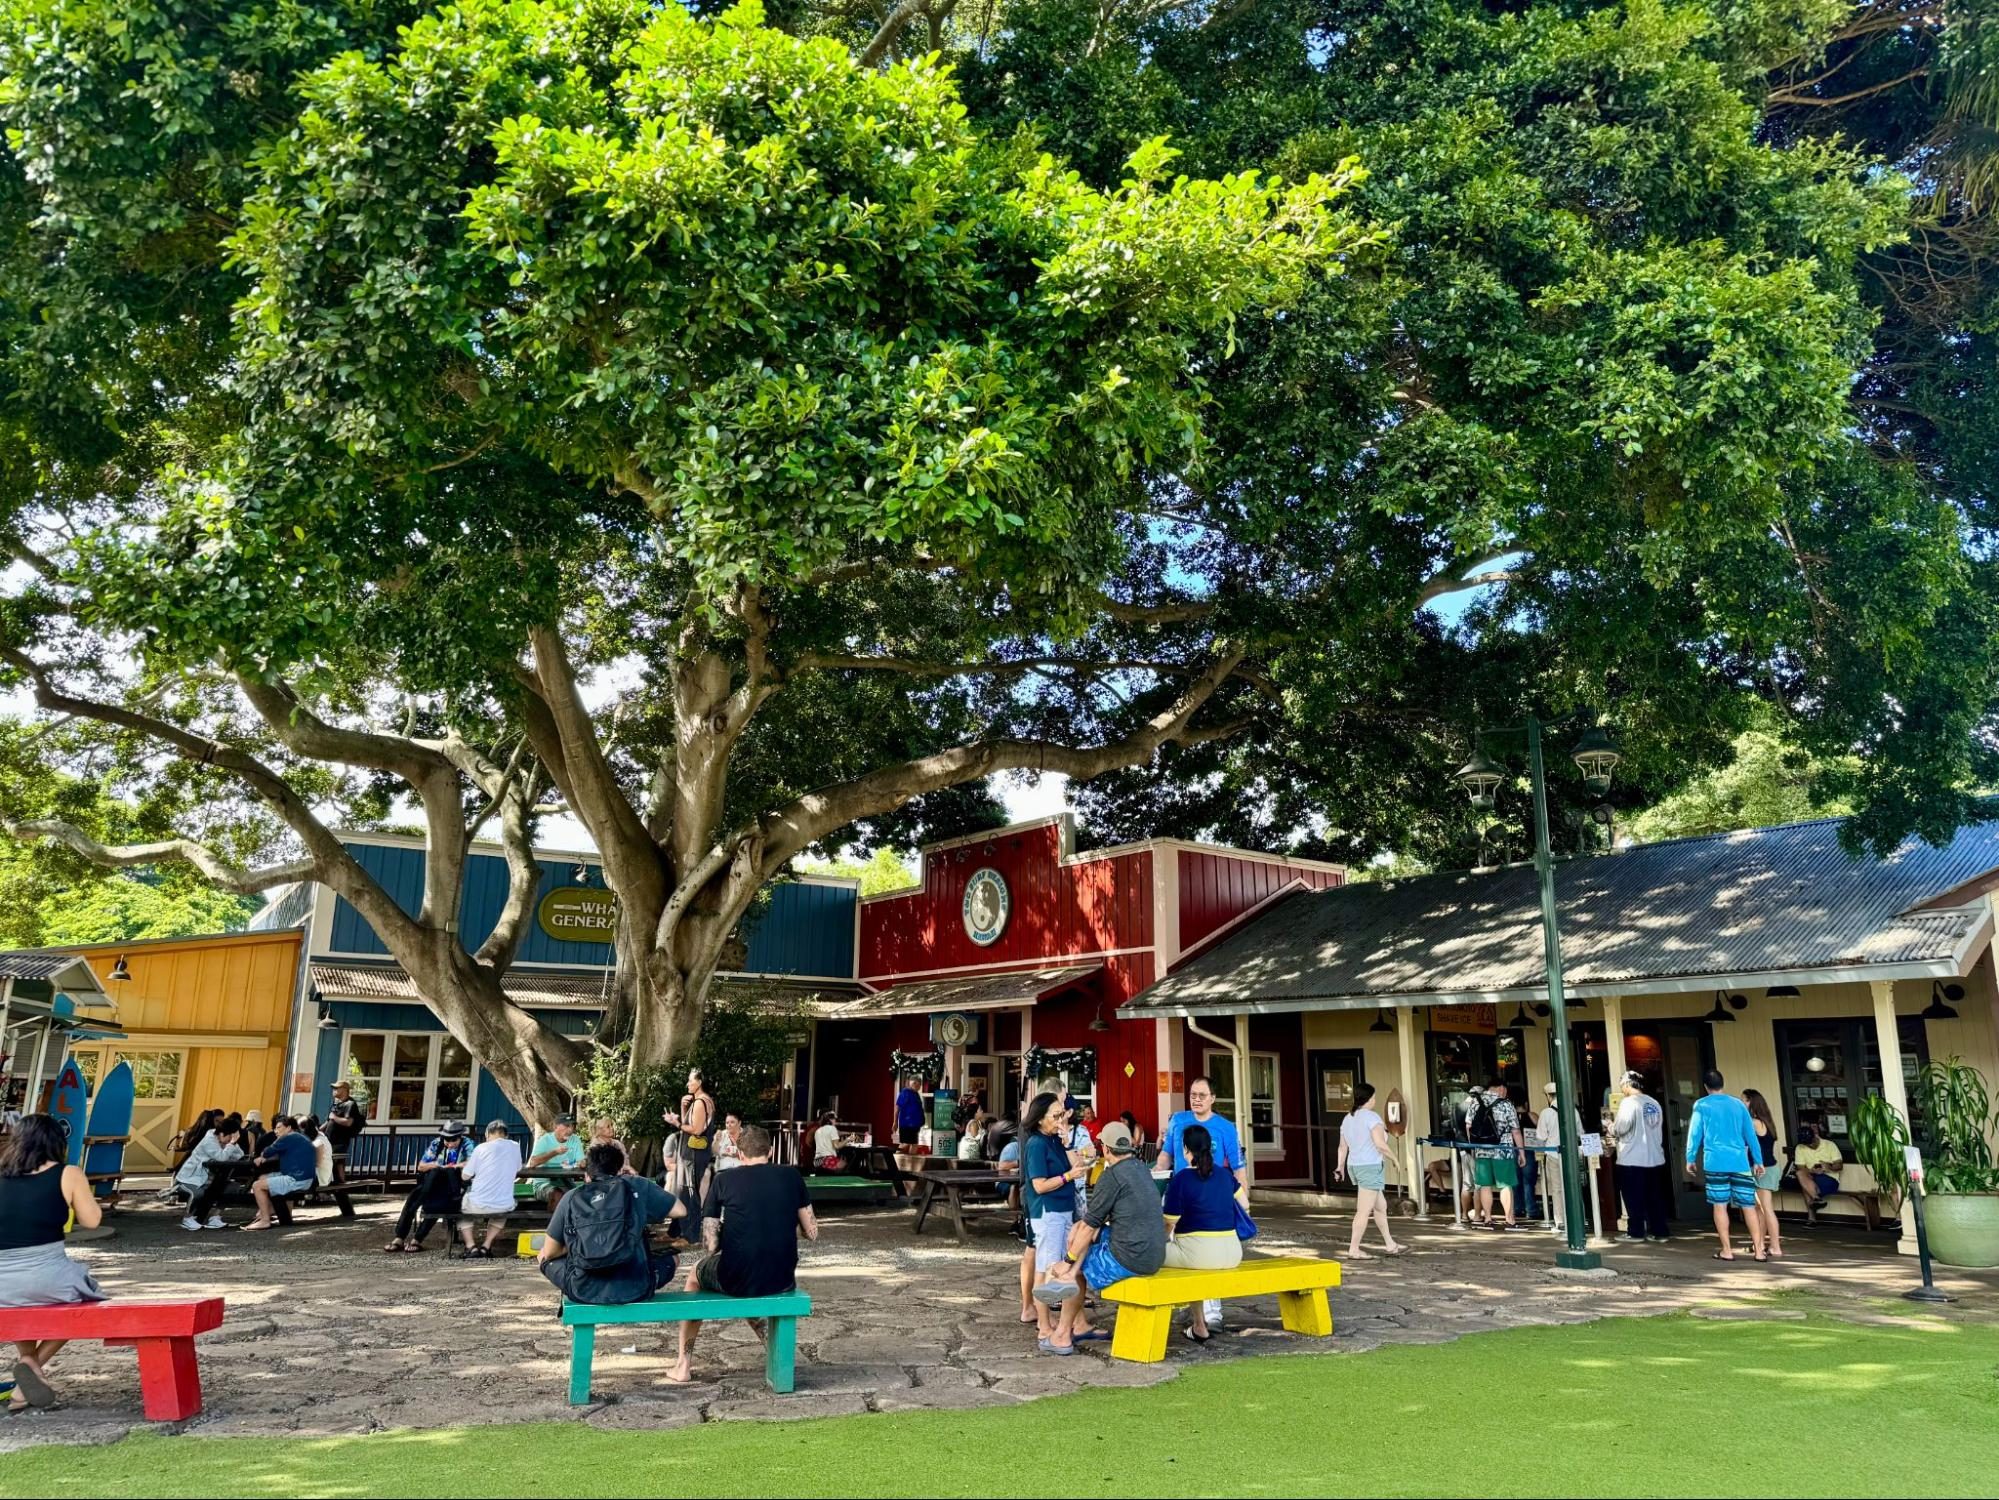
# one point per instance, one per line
(359, 1016)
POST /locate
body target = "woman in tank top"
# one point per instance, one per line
(38, 1193)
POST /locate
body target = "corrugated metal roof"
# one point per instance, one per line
(289, 906)
(1766, 900)
(976, 992)
(26, 965)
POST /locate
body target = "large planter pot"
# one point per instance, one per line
(1963, 1228)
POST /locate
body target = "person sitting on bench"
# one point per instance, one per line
(1817, 1161)
(825, 1145)
(204, 1176)
(38, 1193)
(491, 1173)
(439, 1187)
(595, 1250)
(750, 1224)
(288, 1167)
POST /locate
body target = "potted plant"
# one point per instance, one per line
(1960, 1180)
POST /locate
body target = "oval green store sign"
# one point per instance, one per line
(579, 914)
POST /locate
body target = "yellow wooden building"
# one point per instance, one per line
(206, 1022)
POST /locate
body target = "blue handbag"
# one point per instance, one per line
(1245, 1226)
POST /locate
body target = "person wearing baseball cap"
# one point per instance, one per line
(1126, 1203)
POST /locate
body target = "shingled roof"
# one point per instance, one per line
(1768, 905)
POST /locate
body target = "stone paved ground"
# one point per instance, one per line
(326, 1336)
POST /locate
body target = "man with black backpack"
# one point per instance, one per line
(1492, 1125)
(595, 1250)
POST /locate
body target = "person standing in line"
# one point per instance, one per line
(1722, 1138)
(1640, 1128)
(1201, 1218)
(1548, 1131)
(1363, 1160)
(1492, 1125)
(1227, 1147)
(1769, 1171)
(908, 1114)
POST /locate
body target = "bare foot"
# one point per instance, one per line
(1358, 1255)
(680, 1375)
(266, 1224)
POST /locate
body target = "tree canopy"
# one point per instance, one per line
(749, 440)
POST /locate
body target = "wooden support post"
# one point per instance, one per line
(1888, 1040)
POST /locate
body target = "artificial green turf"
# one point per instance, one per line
(1659, 1406)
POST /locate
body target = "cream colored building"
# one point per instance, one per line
(1771, 954)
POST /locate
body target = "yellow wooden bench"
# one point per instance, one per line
(1146, 1303)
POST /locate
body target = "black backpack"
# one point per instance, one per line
(1483, 1129)
(604, 1229)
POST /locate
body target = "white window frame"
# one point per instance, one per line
(378, 1105)
(1244, 1124)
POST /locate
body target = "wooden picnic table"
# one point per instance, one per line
(954, 1185)
(879, 1163)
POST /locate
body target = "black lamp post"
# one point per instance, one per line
(1596, 757)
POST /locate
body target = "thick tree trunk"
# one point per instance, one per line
(535, 1066)
(667, 1018)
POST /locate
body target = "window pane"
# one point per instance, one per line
(1263, 1099)
(406, 1100)
(453, 1060)
(1221, 1074)
(87, 1063)
(453, 1100)
(166, 1081)
(413, 1056)
(364, 1053)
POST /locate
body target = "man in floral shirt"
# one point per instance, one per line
(1492, 1125)
(439, 1185)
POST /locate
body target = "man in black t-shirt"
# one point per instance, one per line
(343, 1122)
(648, 1270)
(750, 1223)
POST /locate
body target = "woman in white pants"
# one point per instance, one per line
(1201, 1216)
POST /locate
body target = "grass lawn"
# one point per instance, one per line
(1646, 1406)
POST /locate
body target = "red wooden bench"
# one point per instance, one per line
(162, 1332)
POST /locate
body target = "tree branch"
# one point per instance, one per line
(216, 870)
(885, 34)
(1456, 577)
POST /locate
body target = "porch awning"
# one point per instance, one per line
(974, 992)
(1766, 906)
(580, 990)
(63, 973)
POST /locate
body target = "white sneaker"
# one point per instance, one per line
(215, 1222)
(190, 1222)
(1212, 1311)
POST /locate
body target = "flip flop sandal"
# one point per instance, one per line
(36, 1391)
(1358, 1255)
(1399, 1250)
(1064, 1350)
(394, 1247)
(1717, 1255)
(1090, 1336)
(1054, 1293)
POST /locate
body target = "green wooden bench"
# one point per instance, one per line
(784, 1310)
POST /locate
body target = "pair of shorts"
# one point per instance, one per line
(1494, 1172)
(281, 1186)
(908, 1134)
(1051, 1238)
(1731, 1190)
(1100, 1268)
(1368, 1175)
(487, 1218)
(1769, 1179)
(1827, 1186)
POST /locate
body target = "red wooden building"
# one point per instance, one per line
(1014, 940)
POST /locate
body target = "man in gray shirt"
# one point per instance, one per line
(1641, 1162)
(1126, 1202)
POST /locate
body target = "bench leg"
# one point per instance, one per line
(929, 1191)
(169, 1379)
(958, 1212)
(582, 1354)
(780, 1355)
(1141, 1334)
(1306, 1312)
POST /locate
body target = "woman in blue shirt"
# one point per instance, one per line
(1200, 1212)
(1049, 1182)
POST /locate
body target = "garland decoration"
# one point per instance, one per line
(926, 1067)
(1047, 1062)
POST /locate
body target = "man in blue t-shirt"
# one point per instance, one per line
(1722, 1138)
(290, 1166)
(908, 1113)
(1227, 1147)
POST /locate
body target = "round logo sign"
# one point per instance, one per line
(987, 906)
(579, 914)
